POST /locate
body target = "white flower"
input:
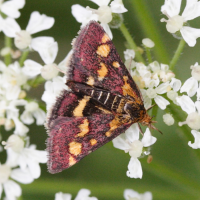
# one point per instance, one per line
(196, 144)
(14, 142)
(53, 89)
(129, 54)
(103, 14)
(32, 110)
(177, 22)
(10, 8)
(11, 80)
(28, 158)
(12, 190)
(173, 94)
(193, 111)
(83, 194)
(130, 194)
(48, 54)
(168, 119)
(23, 37)
(129, 142)
(152, 93)
(50, 70)
(191, 85)
(63, 196)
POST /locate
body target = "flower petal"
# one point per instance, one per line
(132, 133)
(175, 84)
(12, 190)
(197, 104)
(186, 104)
(22, 176)
(171, 7)
(161, 102)
(192, 10)
(190, 35)
(117, 6)
(196, 144)
(83, 15)
(31, 68)
(1, 189)
(120, 142)
(34, 168)
(39, 22)
(10, 27)
(27, 117)
(84, 194)
(162, 88)
(190, 86)
(46, 47)
(148, 139)
(134, 168)
(101, 2)
(40, 116)
(107, 30)
(20, 128)
(131, 194)
(10, 8)
(12, 92)
(63, 196)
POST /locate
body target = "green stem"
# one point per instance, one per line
(150, 29)
(23, 58)
(177, 54)
(131, 42)
(174, 177)
(148, 53)
(8, 43)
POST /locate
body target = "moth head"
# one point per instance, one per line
(147, 121)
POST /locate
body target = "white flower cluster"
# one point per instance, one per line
(16, 78)
(130, 143)
(103, 14)
(83, 194)
(156, 81)
(178, 24)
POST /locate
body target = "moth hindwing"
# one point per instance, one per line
(102, 103)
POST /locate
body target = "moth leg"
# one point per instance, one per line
(140, 129)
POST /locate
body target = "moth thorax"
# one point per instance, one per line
(135, 110)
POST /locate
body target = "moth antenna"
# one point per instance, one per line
(151, 107)
(153, 127)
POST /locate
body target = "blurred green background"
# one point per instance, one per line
(175, 170)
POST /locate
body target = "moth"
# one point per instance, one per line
(103, 101)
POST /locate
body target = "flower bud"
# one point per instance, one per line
(117, 20)
(168, 119)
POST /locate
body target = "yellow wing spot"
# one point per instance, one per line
(116, 64)
(102, 71)
(105, 38)
(93, 142)
(75, 148)
(104, 110)
(84, 128)
(115, 123)
(72, 161)
(90, 81)
(78, 111)
(103, 50)
(127, 90)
